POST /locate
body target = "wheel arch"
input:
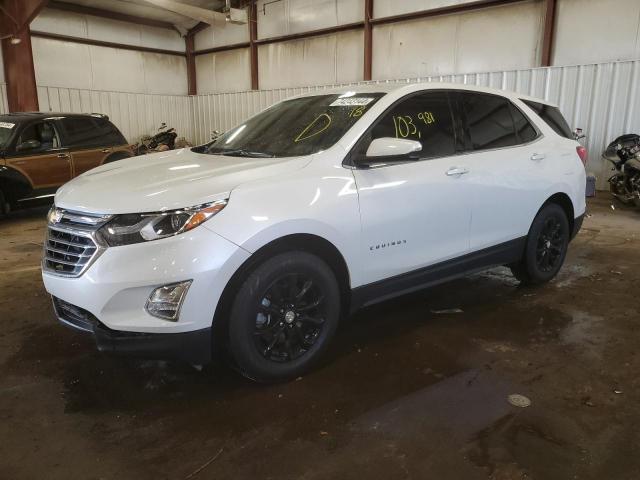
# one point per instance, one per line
(564, 201)
(305, 242)
(115, 156)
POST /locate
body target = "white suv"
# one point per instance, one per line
(257, 243)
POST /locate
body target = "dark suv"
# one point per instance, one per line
(41, 151)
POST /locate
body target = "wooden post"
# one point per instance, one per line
(548, 34)
(15, 17)
(253, 46)
(368, 38)
(192, 84)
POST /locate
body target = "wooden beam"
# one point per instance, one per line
(22, 92)
(101, 43)
(253, 46)
(192, 86)
(198, 28)
(550, 8)
(434, 12)
(99, 12)
(368, 39)
(223, 48)
(311, 33)
(17, 56)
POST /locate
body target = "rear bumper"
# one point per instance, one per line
(577, 225)
(192, 347)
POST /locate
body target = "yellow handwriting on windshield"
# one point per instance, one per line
(308, 130)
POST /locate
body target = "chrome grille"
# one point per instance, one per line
(70, 246)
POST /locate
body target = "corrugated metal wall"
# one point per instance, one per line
(135, 114)
(603, 99)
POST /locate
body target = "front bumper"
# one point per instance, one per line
(115, 288)
(193, 347)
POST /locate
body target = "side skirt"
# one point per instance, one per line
(502, 254)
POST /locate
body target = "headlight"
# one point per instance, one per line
(144, 227)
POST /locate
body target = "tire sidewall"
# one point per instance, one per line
(241, 326)
(534, 271)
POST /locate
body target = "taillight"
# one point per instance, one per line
(582, 153)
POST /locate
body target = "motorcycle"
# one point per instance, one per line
(624, 154)
(165, 139)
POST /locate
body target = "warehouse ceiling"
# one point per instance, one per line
(147, 9)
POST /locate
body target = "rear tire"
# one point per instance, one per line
(546, 247)
(283, 317)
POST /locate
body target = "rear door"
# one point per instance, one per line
(40, 157)
(506, 156)
(89, 140)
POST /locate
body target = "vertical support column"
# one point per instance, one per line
(19, 73)
(192, 85)
(253, 46)
(15, 17)
(368, 39)
(548, 33)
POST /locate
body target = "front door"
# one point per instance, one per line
(39, 156)
(417, 213)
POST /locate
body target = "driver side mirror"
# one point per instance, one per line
(398, 149)
(28, 145)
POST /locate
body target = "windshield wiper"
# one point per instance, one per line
(243, 153)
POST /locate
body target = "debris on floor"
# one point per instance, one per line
(518, 400)
(447, 311)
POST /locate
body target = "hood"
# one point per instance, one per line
(166, 181)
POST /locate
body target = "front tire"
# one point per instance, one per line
(5, 207)
(546, 247)
(283, 317)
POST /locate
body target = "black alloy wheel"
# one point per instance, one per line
(550, 244)
(546, 246)
(283, 317)
(290, 318)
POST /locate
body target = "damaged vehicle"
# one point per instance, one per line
(258, 243)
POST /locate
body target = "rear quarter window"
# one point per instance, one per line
(552, 117)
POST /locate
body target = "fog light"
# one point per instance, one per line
(165, 302)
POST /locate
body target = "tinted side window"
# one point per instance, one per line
(489, 121)
(552, 117)
(109, 133)
(44, 133)
(525, 131)
(426, 118)
(86, 132)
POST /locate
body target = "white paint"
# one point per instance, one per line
(228, 71)
(104, 29)
(490, 39)
(103, 68)
(590, 31)
(325, 59)
(295, 16)
(221, 34)
(356, 209)
(388, 8)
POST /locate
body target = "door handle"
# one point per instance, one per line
(538, 156)
(455, 171)
(63, 155)
(105, 150)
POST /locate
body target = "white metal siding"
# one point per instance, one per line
(135, 114)
(603, 99)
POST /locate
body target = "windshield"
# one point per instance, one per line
(301, 126)
(6, 128)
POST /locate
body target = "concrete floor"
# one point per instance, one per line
(404, 392)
